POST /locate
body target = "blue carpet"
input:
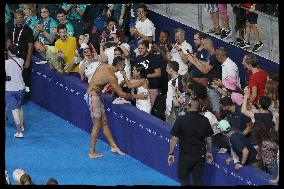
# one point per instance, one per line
(52, 147)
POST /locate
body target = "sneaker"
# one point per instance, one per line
(239, 40)
(218, 31)
(19, 135)
(225, 34)
(245, 45)
(257, 47)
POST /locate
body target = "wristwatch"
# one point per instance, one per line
(171, 154)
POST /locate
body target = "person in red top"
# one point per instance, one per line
(257, 78)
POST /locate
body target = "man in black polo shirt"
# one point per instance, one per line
(191, 129)
(22, 36)
(153, 67)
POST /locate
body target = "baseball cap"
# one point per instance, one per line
(230, 82)
(224, 126)
(17, 173)
(237, 98)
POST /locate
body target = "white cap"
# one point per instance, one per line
(17, 175)
(84, 46)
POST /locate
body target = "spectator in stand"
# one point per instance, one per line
(240, 22)
(262, 114)
(51, 7)
(257, 79)
(164, 46)
(117, 11)
(225, 30)
(75, 13)
(229, 68)
(271, 91)
(179, 51)
(45, 27)
(52, 181)
(88, 64)
(251, 26)
(214, 72)
(175, 90)
(22, 36)
(47, 53)
(267, 149)
(140, 82)
(238, 121)
(245, 153)
(68, 46)
(30, 16)
(214, 14)
(61, 17)
(153, 67)
(230, 89)
(107, 50)
(110, 26)
(85, 38)
(14, 88)
(144, 28)
(201, 55)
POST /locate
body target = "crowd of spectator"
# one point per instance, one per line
(75, 38)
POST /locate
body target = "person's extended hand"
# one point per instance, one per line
(246, 91)
(171, 159)
(238, 166)
(123, 73)
(67, 67)
(209, 157)
(228, 160)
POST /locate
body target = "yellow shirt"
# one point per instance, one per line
(68, 47)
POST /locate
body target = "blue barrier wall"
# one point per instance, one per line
(137, 133)
(236, 54)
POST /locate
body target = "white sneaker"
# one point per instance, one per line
(23, 129)
(19, 135)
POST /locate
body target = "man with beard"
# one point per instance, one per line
(68, 46)
(103, 74)
(22, 36)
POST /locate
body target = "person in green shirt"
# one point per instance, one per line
(61, 17)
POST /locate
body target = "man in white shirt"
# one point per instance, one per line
(179, 51)
(144, 28)
(229, 68)
(172, 93)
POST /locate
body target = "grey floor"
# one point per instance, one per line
(187, 13)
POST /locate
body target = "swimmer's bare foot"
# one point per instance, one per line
(117, 150)
(95, 155)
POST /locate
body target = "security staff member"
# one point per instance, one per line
(192, 130)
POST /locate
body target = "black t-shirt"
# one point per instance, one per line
(265, 118)
(238, 120)
(216, 71)
(22, 36)
(201, 55)
(150, 63)
(238, 142)
(192, 129)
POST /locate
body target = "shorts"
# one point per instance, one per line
(14, 99)
(223, 10)
(214, 98)
(252, 17)
(95, 103)
(211, 8)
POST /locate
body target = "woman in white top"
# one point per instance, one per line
(90, 62)
(14, 91)
(140, 82)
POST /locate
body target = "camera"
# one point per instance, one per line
(8, 78)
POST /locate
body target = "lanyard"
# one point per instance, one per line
(18, 35)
